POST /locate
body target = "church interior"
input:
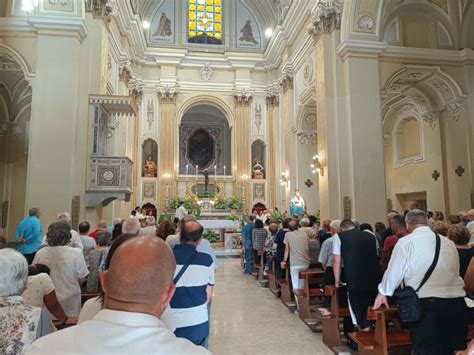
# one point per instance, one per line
(337, 109)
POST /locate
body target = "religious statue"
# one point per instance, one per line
(247, 34)
(164, 27)
(258, 170)
(150, 169)
(297, 205)
(206, 179)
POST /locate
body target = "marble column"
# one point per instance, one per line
(167, 160)
(288, 164)
(272, 177)
(242, 150)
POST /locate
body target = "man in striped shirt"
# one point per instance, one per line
(194, 286)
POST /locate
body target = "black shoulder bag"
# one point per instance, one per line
(407, 298)
(185, 266)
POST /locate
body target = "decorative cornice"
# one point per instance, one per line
(326, 17)
(116, 105)
(72, 26)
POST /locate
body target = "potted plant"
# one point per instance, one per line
(277, 217)
(174, 203)
(211, 236)
(220, 204)
(234, 203)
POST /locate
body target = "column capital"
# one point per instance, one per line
(167, 93)
(326, 17)
(242, 97)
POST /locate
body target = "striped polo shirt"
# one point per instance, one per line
(188, 305)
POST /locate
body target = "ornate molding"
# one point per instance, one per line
(308, 137)
(135, 88)
(326, 17)
(454, 109)
(286, 79)
(243, 96)
(115, 105)
(431, 118)
(206, 72)
(168, 93)
(125, 70)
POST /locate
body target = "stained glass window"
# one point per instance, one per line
(205, 21)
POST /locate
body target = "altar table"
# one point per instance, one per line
(221, 224)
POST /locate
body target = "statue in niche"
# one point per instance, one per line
(297, 205)
(247, 33)
(149, 158)
(258, 170)
(150, 168)
(164, 27)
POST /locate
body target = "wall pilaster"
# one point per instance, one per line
(242, 152)
(273, 183)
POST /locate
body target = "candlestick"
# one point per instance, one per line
(215, 170)
(224, 170)
(187, 169)
(197, 168)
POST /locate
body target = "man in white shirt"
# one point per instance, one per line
(181, 211)
(470, 225)
(130, 320)
(443, 325)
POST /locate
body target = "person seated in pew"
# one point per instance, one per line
(279, 245)
(67, 265)
(20, 323)
(358, 250)
(129, 322)
(442, 328)
(40, 292)
(297, 253)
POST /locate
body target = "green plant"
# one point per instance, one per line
(174, 203)
(211, 236)
(233, 218)
(220, 204)
(277, 217)
(164, 217)
(205, 194)
(192, 207)
(234, 203)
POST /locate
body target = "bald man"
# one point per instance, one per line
(139, 286)
(194, 279)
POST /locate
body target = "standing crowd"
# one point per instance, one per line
(415, 250)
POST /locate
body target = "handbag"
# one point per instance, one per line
(408, 303)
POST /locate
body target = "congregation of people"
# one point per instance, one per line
(152, 283)
(374, 263)
(149, 286)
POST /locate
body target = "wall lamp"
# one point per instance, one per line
(316, 166)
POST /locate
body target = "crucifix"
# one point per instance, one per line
(459, 170)
(308, 183)
(435, 175)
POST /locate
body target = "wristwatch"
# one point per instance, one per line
(65, 320)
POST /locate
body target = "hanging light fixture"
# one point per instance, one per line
(316, 166)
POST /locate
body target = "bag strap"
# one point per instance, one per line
(433, 264)
(184, 268)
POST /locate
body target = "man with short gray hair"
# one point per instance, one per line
(131, 226)
(29, 235)
(442, 328)
(76, 241)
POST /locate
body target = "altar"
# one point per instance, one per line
(220, 224)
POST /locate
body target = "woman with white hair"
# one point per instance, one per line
(20, 323)
(67, 265)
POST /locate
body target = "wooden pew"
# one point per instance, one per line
(331, 320)
(286, 288)
(312, 282)
(272, 280)
(383, 338)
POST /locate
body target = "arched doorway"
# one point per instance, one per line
(205, 141)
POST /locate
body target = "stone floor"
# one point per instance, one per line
(248, 319)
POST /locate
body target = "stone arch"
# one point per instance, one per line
(17, 57)
(209, 100)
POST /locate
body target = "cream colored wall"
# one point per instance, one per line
(17, 195)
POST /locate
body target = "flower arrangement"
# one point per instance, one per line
(220, 204)
(234, 203)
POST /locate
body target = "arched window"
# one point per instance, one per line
(205, 21)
